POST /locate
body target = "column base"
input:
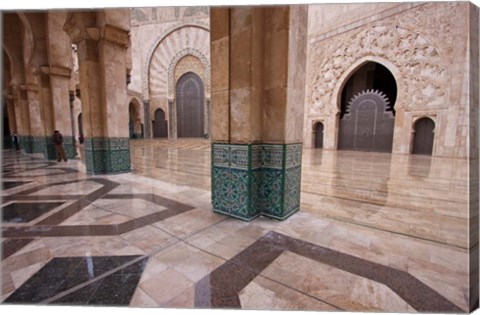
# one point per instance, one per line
(7, 143)
(26, 144)
(249, 180)
(107, 155)
(33, 144)
(69, 146)
(50, 152)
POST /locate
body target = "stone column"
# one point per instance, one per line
(172, 130)
(9, 110)
(473, 160)
(102, 71)
(56, 103)
(12, 122)
(22, 116)
(258, 78)
(148, 123)
(35, 142)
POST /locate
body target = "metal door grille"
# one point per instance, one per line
(367, 123)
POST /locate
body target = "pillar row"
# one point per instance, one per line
(103, 90)
(258, 79)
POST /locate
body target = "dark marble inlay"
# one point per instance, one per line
(62, 274)
(25, 212)
(10, 247)
(64, 213)
(220, 288)
(9, 185)
(173, 208)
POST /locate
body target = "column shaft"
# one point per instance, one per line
(258, 76)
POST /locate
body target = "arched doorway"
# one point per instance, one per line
(190, 100)
(80, 125)
(135, 129)
(318, 135)
(7, 143)
(160, 124)
(423, 136)
(367, 114)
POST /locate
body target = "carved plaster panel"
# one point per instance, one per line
(423, 78)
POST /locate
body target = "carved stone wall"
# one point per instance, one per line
(423, 46)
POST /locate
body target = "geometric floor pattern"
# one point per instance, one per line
(63, 274)
(375, 232)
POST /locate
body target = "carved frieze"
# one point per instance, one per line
(421, 66)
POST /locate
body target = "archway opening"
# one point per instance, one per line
(423, 136)
(80, 126)
(160, 125)
(367, 110)
(7, 143)
(135, 129)
(318, 135)
(190, 102)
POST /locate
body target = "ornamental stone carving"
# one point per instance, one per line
(155, 45)
(179, 55)
(422, 82)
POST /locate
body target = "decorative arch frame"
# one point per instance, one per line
(407, 54)
(352, 69)
(29, 33)
(151, 51)
(136, 102)
(417, 63)
(138, 110)
(173, 63)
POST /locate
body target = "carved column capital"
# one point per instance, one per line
(115, 35)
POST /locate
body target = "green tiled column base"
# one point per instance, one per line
(33, 144)
(26, 144)
(259, 179)
(7, 142)
(39, 144)
(68, 145)
(50, 151)
(107, 155)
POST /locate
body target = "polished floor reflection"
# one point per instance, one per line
(376, 232)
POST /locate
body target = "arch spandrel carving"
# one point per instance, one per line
(162, 52)
(422, 84)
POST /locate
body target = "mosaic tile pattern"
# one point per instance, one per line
(68, 145)
(39, 144)
(26, 143)
(249, 180)
(50, 152)
(107, 155)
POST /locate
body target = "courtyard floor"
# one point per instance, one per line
(375, 232)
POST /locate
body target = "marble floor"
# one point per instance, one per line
(376, 232)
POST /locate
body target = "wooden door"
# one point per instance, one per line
(190, 101)
(423, 136)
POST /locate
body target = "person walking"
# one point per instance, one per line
(16, 141)
(58, 141)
